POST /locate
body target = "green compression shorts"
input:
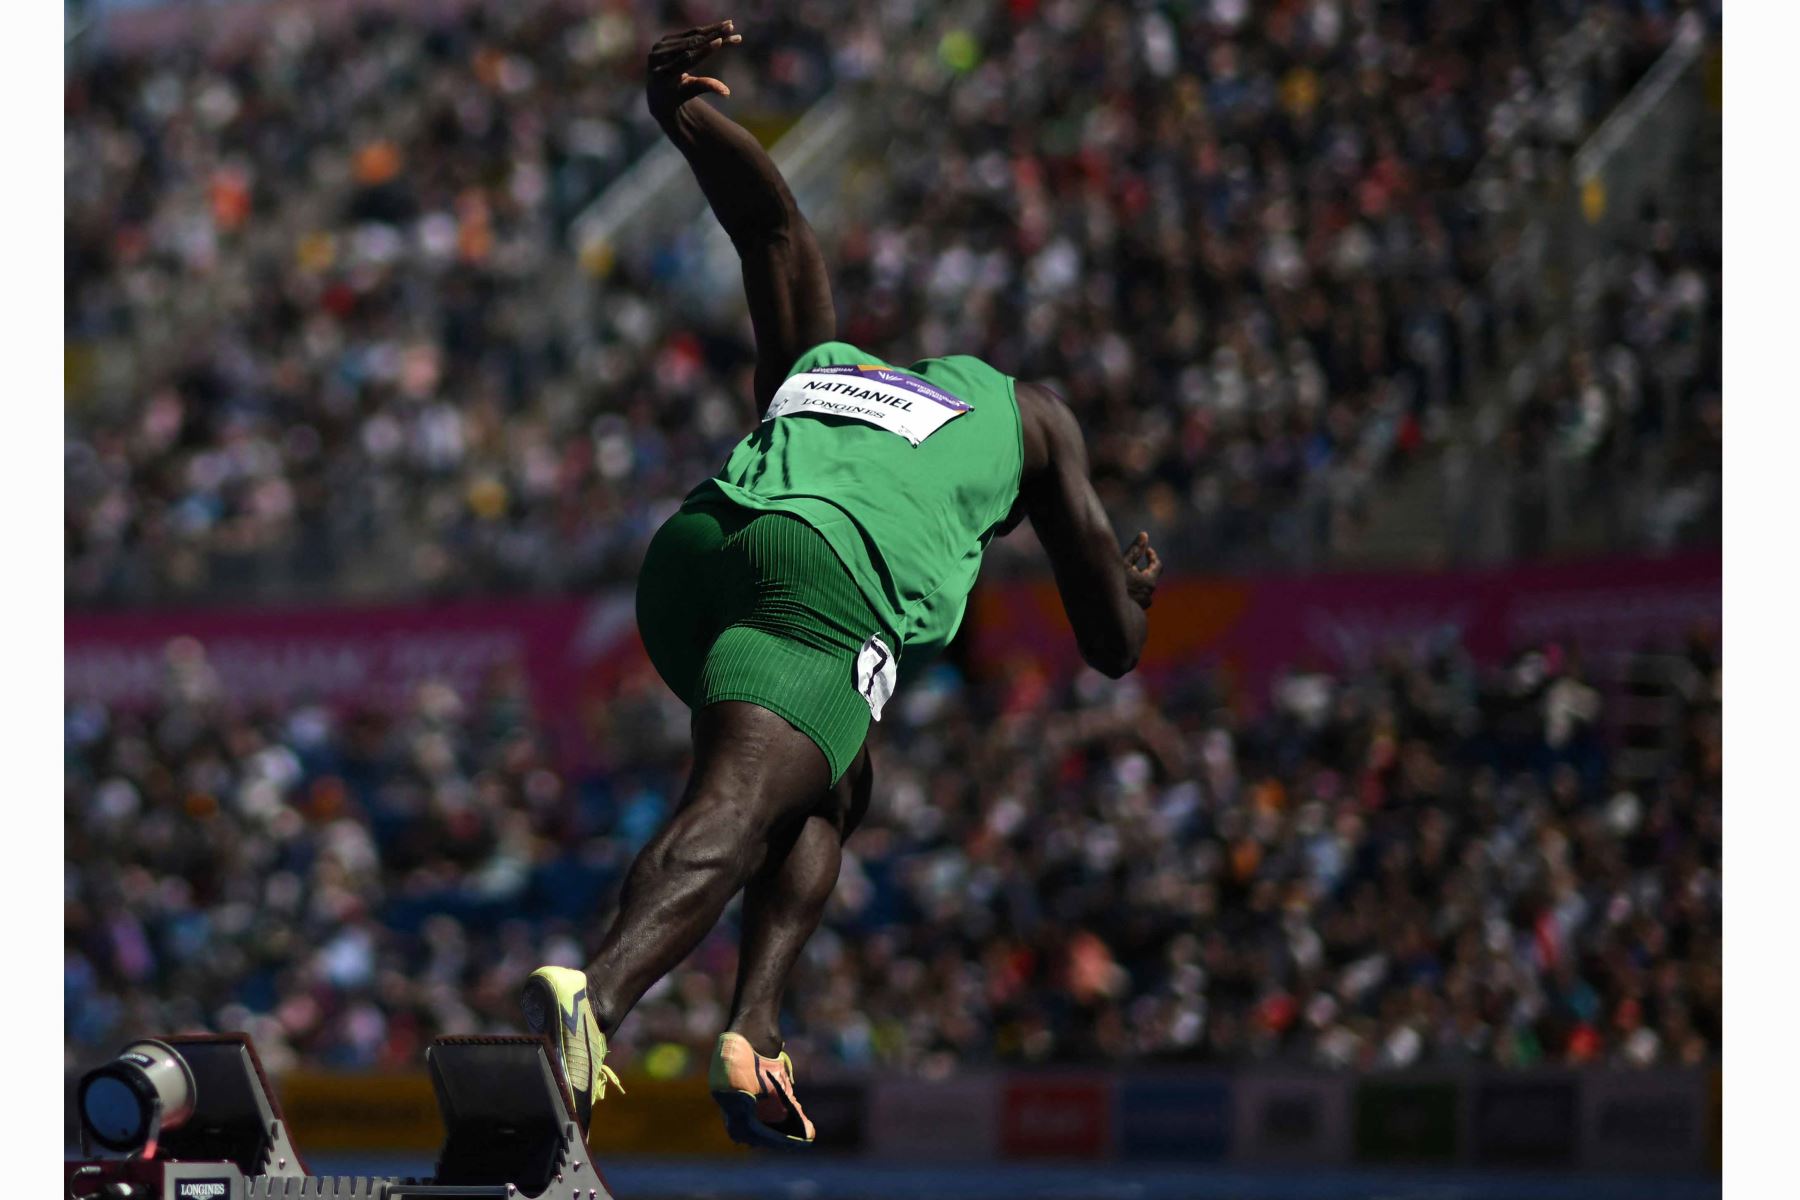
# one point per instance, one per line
(736, 604)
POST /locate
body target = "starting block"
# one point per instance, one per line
(194, 1118)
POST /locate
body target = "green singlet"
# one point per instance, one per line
(894, 477)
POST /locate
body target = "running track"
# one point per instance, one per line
(766, 1178)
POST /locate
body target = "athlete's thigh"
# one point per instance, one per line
(847, 802)
(841, 808)
(747, 756)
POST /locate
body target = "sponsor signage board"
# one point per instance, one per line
(1526, 1121)
(1404, 1119)
(1643, 1120)
(950, 1120)
(333, 1112)
(1292, 1119)
(1054, 1116)
(839, 1113)
(1182, 1117)
(674, 1118)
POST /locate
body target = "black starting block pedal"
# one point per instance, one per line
(194, 1118)
(508, 1116)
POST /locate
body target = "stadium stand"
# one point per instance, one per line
(315, 347)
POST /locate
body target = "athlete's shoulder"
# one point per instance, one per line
(974, 379)
(1048, 428)
(834, 354)
(964, 363)
(845, 354)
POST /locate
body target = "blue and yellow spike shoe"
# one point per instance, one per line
(756, 1094)
(556, 1004)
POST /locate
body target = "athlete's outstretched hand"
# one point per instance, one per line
(1142, 569)
(671, 79)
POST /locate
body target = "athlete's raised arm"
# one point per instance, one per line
(1104, 592)
(784, 272)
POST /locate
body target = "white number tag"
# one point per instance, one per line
(875, 674)
(877, 395)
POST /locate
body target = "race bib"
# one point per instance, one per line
(875, 674)
(893, 401)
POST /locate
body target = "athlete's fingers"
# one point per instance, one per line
(693, 85)
(689, 57)
(686, 49)
(679, 51)
(706, 31)
(673, 56)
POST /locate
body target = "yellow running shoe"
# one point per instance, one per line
(756, 1094)
(556, 1004)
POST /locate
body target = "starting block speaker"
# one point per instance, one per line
(189, 1097)
(210, 1128)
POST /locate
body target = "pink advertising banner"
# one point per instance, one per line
(1254, 627)
(376, 655)
(574, 652)
(148, 25)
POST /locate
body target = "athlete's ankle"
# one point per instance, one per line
(607, 1014)
(762, 1033)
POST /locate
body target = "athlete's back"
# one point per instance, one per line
(906, 471)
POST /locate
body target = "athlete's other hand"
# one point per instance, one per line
(1142, 569)
(671, 82)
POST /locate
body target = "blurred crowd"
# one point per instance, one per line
(1259, 248)
(309, 292)
(1417, 861)
(1629, 406)
(321, 298)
